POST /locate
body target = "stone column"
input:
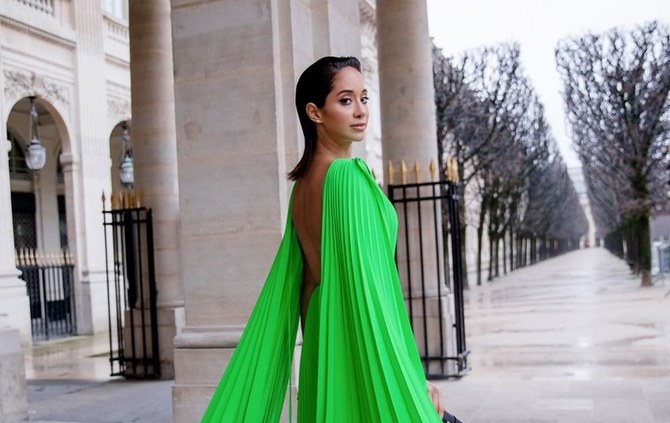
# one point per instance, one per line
(155, 158)
(88, 163)
(236, 64)
(373, 138)
(14, 303)
(13, 401)
(46, 198)
(13, 294)
(409, 133)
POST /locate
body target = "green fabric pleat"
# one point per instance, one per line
(359, 359)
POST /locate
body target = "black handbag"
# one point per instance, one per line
(448, 418)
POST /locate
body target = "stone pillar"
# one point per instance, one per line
(409, 133)
(373, 137)
(236, 64)
(155, 158)
(88, 163)
(13, 395)
(46, 198)
(14, 303)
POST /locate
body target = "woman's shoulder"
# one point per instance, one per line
(348, 170)
(349, 177)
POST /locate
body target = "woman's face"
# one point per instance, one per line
(344, 115)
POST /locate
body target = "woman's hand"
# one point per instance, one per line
(436, 398)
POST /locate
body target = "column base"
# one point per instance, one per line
(170, 324)
(92, 303)
(200, 358)
(433, 318)
(15, 306)
(171, 321)
(13, 397)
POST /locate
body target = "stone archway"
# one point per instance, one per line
(116, 151)
(38, 218)
(42, 192)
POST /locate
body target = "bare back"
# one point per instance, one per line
(306, 215)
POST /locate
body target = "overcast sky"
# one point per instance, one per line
(458, 25)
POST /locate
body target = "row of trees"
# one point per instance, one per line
(490, 119)
(616, 87)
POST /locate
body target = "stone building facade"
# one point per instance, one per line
(72, 57)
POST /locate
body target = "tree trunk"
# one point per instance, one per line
(644, 249)
(480, 240)
(505, 238)
(490, 277)
(631, 232)
(445, 243)
(464, 261)
(497, 264)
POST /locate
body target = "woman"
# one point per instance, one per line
(335, 268)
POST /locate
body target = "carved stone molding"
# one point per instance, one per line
(118, 108)
(368, 39)
(19, 83)
(368, 10)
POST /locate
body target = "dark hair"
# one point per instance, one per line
(313, 87)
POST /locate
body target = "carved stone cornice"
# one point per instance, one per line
(20, 83)
(24, 27)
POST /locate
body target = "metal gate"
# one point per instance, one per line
(50, 283)
(419, 205)
(131, 289)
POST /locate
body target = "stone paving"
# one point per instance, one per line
(572, 339)
(69, 382)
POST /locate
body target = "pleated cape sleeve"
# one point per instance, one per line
(254, 385)
(369, 368)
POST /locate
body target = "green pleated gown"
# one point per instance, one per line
(359, 360)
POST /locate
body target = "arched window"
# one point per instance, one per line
(18, 169)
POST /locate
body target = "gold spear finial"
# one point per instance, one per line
(103, 200)
(391, 171)
(112, 200)
(138, 202)
(403, 172)
(126, 199)
(454, 169)
(450, 173)
(432, 168)
(416, 171)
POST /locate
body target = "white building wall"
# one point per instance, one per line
(48, 52)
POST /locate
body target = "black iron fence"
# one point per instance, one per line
(131, 286)
(424, 231)
(50, 283)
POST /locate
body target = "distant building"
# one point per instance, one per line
(579, 183)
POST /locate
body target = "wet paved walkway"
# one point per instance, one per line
(69, 382)
(572, 339)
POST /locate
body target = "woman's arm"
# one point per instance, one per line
(436, 397)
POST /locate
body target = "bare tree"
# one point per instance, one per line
(475, 98)
(616, 88)
(489, 118)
